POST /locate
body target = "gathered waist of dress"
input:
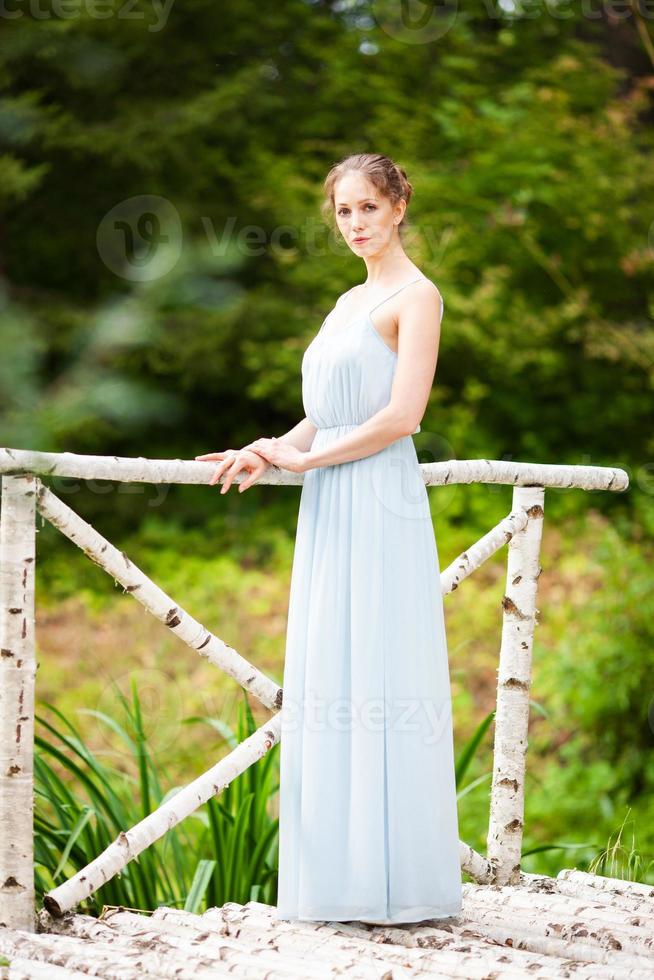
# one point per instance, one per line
(346, 425)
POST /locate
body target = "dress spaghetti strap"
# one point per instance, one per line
(396, 291)
(381, 302)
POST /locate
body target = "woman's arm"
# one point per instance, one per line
(418, 343)
(301, 435)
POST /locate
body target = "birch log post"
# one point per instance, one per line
(506, 822)
(17, 678)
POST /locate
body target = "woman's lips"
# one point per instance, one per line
(360, 241)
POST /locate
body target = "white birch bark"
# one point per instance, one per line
(25, 969)
(288, 953)
(473, 557)
(131, 842)
(578, 932)
(513, 684)
(460, 948)
(567, 909)
(17, 680)
(235, 934)
(107, 960)
(629, 896)
(137, 584)
(140, 470)
(583, 884)
(506, 932)
(474, 864)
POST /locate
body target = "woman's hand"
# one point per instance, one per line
(232, 462)
(281, 454)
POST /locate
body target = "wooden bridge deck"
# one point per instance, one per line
(575, 925)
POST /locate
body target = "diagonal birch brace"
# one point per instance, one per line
(118, 565)
(474, 557)
(513, 683)
(130, 843)
(17, 679)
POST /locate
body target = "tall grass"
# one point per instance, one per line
(618, 860)
(224, 851)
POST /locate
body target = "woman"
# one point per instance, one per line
(368, 825)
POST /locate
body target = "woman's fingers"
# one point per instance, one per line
(218, 472)
(231, 462)
(232, 469)
(255, 472)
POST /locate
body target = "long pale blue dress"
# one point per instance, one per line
(368, 816)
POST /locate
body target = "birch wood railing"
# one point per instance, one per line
(23, 493)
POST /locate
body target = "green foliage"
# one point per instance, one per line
(223, 852)
(467, 755)
(532, 212)
(598, 681)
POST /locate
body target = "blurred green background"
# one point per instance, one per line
(165, 264)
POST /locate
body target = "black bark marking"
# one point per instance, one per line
(172, 619)
(516, 684)
(509, 606)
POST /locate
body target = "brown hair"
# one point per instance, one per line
(389, 178)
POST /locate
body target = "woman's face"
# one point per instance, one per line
(366, 219)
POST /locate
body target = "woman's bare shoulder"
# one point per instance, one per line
(348, 292)
(425, 288)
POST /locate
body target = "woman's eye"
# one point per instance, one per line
(343, 210)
